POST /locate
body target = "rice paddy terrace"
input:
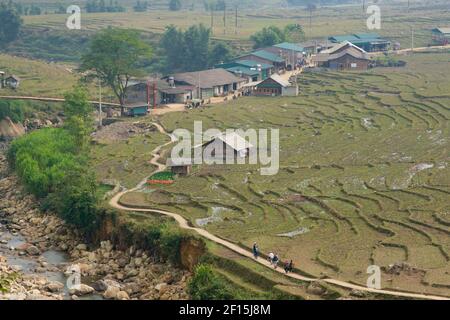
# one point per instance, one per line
(364, 176)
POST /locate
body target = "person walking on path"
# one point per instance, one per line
(275, 261)
(288, 266)
(255, 250)
(271, 256)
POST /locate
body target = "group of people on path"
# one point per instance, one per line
(274, 259)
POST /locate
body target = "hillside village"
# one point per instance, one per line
(94, 190)
(270, 71)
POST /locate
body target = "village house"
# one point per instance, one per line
(441, 36)
(227, 144)
(292, 53)
(263, 56)
(11, 82)
(2, 79)
(251, 70)
(276, 86)
(316, 46)
(181, 167)
(154, 92)
(344, 56)
(207, 83)
(370, 42)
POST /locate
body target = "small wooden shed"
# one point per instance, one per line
(180, 166)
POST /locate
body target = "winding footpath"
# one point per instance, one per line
(183, 223)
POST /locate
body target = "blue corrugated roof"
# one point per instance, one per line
(357, 38)
(245, 70)
(289, 46)
(367, 35)
(267, 56)
(254, 64)
(349, 38)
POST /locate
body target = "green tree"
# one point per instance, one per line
(174, 5)
(78, 110)
(172, 43)
(294, 33)
(192, 43)
(114, 57)
(220, 52)
(196, 40)
(268, 36)
(10, 24)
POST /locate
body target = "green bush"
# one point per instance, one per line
(206, 285)
(170, 244)
(162, 176)
(42, 159)
(53, 164)
(12, 109)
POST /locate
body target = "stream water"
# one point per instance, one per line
(57, 261)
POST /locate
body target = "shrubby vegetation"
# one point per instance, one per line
(52, 164)
(13, 109)
(174, 5)
(49, 44)
(389, 61)
(141, 6)
(10, 23)
(102, 6)
(271, 35)
(206, 285)
(195, 43)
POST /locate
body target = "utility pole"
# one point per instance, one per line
(412, 39)
(364, 6)
(224, 18)
(236, 24)
(100, 122)
(212, 19)
(310, 23)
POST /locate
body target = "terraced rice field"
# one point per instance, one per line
(326, 21)
(364, 178)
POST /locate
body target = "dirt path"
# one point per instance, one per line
(406, 50)
(183, 223)
(47, 99)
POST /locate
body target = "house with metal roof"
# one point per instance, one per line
(226, 146)
(250, 69)
(370, 42)
(12, 82)
(263, 56)
(275, 85)
(343, 56)
(207, 83)
(316, 45)
(292, 53)
(441, 36)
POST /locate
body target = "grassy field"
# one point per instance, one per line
(364, 175)
(37, 77)
(43, 79)
(126, 160)
(326, 21)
